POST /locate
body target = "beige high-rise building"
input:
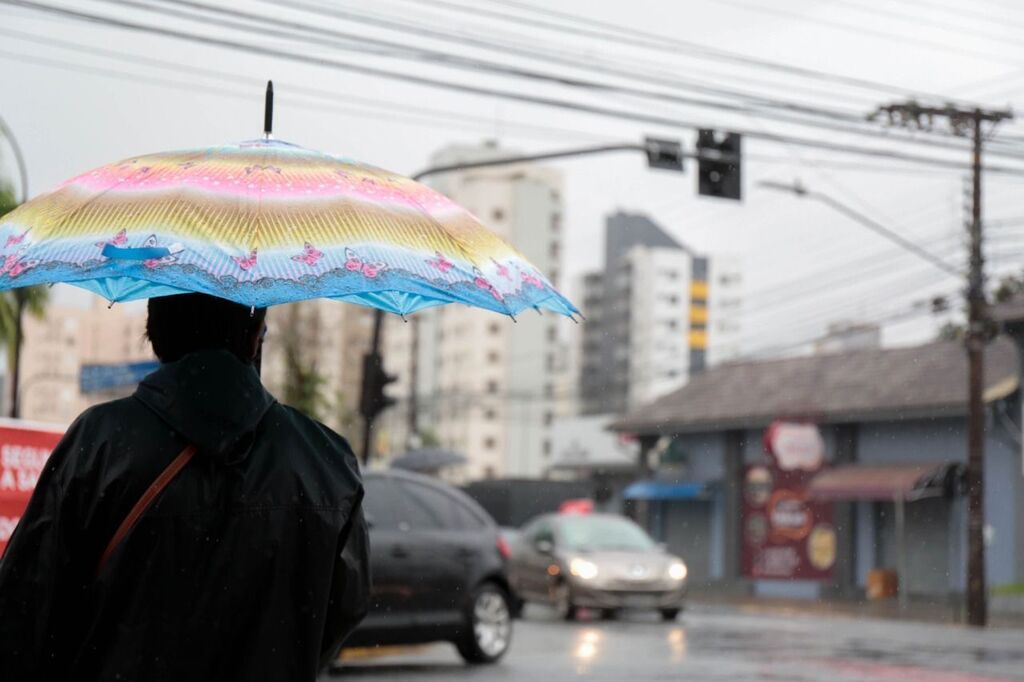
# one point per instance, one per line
(485, 385)
(67, 337)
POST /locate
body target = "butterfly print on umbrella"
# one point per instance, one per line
(119, 239)
(15, 239)
(440, 262)
(171, 257)
(247, 262)
(481, 283)
(502, 269)
(532, 280)
(310, 255)
(354, 263)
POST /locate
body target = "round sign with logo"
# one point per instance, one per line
(795, 446)
(821, 546)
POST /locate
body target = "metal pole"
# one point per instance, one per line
(510, 160)
(976, 597)
(903, 577)
(378, 321)
(19, 311)
(414, 362)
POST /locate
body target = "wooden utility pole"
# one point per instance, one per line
(967, 122)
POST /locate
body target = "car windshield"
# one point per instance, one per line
(592, 533)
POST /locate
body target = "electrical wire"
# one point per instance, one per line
(903, 38)
(315, 33)
(640, 38)
(480, 90)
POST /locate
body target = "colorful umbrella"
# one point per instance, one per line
(261, 223)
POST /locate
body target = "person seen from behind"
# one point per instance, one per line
(251, 563)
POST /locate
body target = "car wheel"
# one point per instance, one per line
(488, 630)
(564, 607)
(669, 615)
(609, 614)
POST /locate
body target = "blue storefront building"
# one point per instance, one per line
(889, 427)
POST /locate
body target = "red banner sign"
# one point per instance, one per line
(23, 453)
(785, 535)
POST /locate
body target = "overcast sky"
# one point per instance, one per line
(804, 264)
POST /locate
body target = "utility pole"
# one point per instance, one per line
(967, 122)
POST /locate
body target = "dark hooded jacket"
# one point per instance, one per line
(251, 565)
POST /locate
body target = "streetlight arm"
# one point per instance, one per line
(511, 160)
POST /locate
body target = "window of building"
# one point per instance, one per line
(546, 448)
(490, 414)
(670, 275)
(489, 443)
(548, 418)
(497, 215)
(494, 328)
(552, 333)
(492, 386)
(493, 357)
(555, 250)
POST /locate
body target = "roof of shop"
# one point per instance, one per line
(863, 385)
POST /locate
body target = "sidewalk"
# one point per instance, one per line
(930, 611)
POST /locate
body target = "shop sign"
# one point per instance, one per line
(786, 535)
(23, 453)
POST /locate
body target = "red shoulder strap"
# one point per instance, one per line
(155, 488)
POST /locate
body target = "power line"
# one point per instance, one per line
(864, 30)
(477, 65)
(428, 118)
(920, 20)
(639, 38)
(490, 92)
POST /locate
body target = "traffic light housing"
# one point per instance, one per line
(718, 165)
(373, 400)
(664, 154)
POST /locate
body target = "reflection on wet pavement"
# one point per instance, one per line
(710, 645)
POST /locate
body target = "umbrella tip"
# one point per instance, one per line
(268, 111)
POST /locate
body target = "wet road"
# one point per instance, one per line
(706, 644)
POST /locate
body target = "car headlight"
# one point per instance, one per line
(581, 568)
(677, 570)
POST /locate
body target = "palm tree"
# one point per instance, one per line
(14, 303)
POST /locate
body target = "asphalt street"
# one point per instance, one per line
(709, 644)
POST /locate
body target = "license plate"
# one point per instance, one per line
(641, 601)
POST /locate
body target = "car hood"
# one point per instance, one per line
(627, 566)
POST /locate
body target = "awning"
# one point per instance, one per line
(883, 481)
(664, 490)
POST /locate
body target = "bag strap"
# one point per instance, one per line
(155, 488)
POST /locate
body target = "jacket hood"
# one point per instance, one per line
(211, 398)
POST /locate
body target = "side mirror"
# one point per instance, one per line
(544, 546)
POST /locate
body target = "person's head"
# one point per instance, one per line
(186, 323)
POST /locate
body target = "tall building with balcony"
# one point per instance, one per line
(656, 314)
(484, 385)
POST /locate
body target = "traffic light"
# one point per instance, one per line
(664, 154)
(373, 400)
(718, 165)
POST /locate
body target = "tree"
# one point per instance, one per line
(303, 384)
(14, 303)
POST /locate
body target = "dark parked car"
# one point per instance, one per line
(599, 561)
(438, 565)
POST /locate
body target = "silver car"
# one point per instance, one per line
(597, 561)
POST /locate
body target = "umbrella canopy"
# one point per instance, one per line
(261, 223)
(427, 460)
